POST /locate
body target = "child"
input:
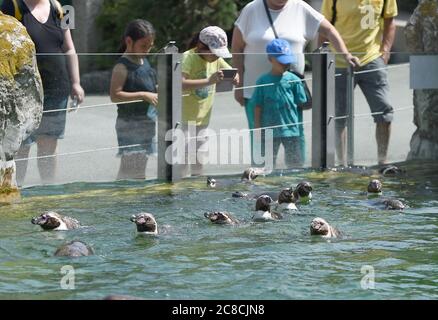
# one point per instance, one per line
(277, 104)
(201, 70)
(134, 79)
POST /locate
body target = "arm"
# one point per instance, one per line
(328, 31)
(191, 84)
(73, 66)
(299, 93)
(238, 47)
(388, 38)
(118, 79)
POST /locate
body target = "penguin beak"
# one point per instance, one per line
(38, 220)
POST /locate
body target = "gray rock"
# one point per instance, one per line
(21, 93)
(422, 37)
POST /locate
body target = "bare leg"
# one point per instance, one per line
(341, 143)
(383, 132)
(133, 167)
(23, 153)
(47, 166)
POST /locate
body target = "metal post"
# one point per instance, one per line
(169, 108)
(350, 113)
(323, 111)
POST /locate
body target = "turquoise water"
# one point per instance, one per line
(193, 259)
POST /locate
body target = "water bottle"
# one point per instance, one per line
(152, 113)
(74, 104)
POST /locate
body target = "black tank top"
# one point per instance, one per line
(48, 39)
(140, 78)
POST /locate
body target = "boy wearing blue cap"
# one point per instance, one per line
(276, 100)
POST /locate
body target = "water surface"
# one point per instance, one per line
(193, 259)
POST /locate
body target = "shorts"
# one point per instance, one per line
(375, 88)
(52, 123)
(135, 131)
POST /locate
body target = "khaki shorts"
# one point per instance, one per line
(375, 88)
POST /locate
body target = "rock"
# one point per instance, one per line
(21, 97)
(422, 37)
(9, 192)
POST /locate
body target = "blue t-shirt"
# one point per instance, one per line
(279, 103)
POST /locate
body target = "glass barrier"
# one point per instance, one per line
(105, 142)
(230, 132)
(396, 95)
(94, 141)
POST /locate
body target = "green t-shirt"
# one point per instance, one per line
(197, 103)
(279, 103)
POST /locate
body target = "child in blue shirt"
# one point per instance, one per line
(276, 100)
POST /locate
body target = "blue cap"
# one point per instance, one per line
(280, 50)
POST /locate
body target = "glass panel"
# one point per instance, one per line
(229, 120)
(87, 149)
(399, 97)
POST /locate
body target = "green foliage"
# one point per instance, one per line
(175, 20)
(241, 3)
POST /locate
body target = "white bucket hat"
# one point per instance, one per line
(216, 40)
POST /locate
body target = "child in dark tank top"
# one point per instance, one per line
(134, 88)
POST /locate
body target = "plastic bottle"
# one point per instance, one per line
(74, 105)
(152, 113)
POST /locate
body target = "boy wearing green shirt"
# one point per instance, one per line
(276, 100)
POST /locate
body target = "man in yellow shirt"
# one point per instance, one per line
(368, 30)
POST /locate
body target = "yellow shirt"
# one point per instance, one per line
(197, 103)
(360, 24)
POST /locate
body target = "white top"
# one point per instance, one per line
(297, 23)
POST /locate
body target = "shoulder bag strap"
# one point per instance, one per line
(18, 9)
(333, 21)
(58, 8)
(270, 18)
